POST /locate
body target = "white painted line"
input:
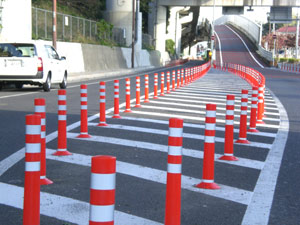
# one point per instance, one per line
(159, 102)
(63, 208)
(197, 93)
(198, 112)
(17, 95)
(193, 125)
(246, 47)
(259, 208)
(221, 99)
(194, 118)
(220, 48)
(159, 176)
(164, 148)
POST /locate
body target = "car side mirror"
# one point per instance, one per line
(63, 58)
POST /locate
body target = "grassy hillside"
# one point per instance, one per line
(90, 9)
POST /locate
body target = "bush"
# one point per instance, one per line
(283, 60)
(291, 60)
(170, 47)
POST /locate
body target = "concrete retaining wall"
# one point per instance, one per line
(87, 58)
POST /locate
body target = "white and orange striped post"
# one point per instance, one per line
(138, 93)
(116, 100)
(173, 80)
(162, 84)
(243, 119)
(146, 100)
(168, 82)
(40, 109)
(178, 78)
(83, 112)
(62, 125)
(173, 193)
(229, 130)
(31, 204)
(102, 190)
(185, 77)
(181, 78)
(208, 172)
(253, 113)
(155, 85)
(102, 118)
(260, 105)
(127, 95)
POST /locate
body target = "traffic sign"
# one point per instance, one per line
(274, 36)
(212, 37)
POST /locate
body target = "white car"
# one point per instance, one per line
(35, 63)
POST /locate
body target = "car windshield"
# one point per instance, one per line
(17, 50)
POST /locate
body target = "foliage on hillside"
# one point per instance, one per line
(90, 9)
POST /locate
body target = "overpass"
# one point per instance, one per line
(289, 3)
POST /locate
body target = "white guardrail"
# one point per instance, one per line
(248, 27)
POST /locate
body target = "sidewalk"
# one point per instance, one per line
(75, 77)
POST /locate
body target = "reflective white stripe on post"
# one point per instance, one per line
(33, 147)
(210, 113)
(229, 122)
(174, 168)
(207, 181)
(103, 181)
(102, 213)
(230, 102)
(244, 104)
(62, 97)
(175, 150)
(33, 129)
(32, 166)
(229, 112)
(243, 112)
(83, 99)
(209, 139)
(39, 108)
(175, 132)
(210, 126)
(62, 117)
(83, 106)
(83, 91)
(62, 107)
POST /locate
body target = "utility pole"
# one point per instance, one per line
(54, 25)
(297, 37)
(133, 33)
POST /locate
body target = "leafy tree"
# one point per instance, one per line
(170, 47)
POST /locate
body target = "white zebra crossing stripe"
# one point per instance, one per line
(164, 148)
(63, 208)
(159, 176)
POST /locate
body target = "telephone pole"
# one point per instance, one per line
(54, 25)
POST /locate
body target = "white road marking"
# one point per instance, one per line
(199, 126)
(63, 208)
(203, 107)
(226, 192)
(249, 163)
(220, 48)
(198, 112)
(258, 210)
(168, 115)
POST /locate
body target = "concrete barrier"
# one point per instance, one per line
(87, 58)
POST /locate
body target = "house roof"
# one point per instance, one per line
(287, 29)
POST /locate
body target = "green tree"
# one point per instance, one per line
(170, 47)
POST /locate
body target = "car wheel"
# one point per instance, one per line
(63, 84)
(19, 85)
(47, 84)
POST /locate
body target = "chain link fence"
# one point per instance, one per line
(71, 28)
